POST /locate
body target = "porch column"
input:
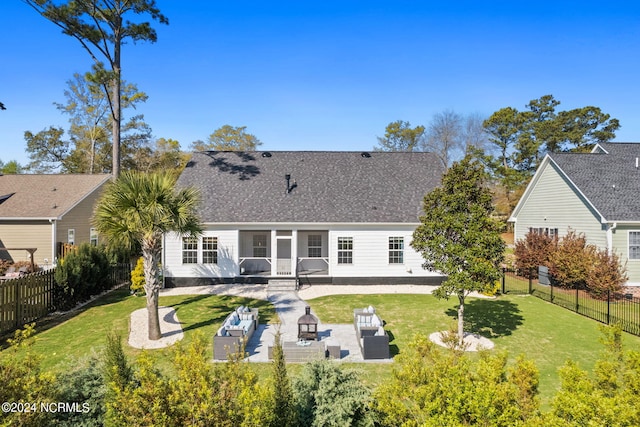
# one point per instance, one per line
(274, 253)
(294, 253)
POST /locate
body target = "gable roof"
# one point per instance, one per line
(25, 196)
(330, 187)
(608, 178)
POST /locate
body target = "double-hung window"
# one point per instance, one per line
(396, 250)
(345, 250)
(189, 250)
(259, 245)
(93, 237)
(314, 244)
(634, 245)
(209, 250)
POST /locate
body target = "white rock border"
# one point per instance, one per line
(169, 326)
(473, 342)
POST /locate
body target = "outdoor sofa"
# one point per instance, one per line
(237, 329)
(372, 338)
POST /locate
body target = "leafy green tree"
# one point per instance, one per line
(88, 150)
(102, 27)
(327, 395)
(162, 155)
(400, 136)
(458, 237)
(140, 208)
(438, 387)
(228, 138)
(12, 167)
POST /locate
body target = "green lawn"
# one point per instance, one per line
(545, 333)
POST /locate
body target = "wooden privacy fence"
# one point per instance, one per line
(28, 298)
(25, 299)
(621, 308)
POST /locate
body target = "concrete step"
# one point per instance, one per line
(282, 285)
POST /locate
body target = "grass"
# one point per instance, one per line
(547, 334)
(60, 340)
(544, 333)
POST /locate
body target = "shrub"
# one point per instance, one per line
(327, 395)
(532, 251)
(24, 381)
(81, 274)
(82, 383)
(438, 387)
(27, 264)
(606, 275)
(137, 278)
(572, 261)
(4, 265)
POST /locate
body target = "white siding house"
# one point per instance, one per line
(330, 217)
(592, 193)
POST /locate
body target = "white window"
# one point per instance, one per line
(189, 250)
(546, 231)
(314, 243)
(93, 237)
(345, 250)
(209, 250)
(634, 245)
(259, 245)
(71, 236)
(396, 250)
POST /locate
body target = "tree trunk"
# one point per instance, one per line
(153, 316)
(117, 108)
(461, 321)
(151, 251)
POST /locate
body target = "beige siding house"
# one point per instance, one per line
(305, 216)
(44, 211)
(593, 193)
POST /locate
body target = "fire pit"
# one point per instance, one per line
(308, 325)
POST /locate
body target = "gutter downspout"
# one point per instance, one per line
(54, 237)
(610, 237)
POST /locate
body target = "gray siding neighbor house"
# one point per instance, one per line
(595, 193)
(311, 216)
(44, 211)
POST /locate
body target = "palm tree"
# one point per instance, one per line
(139, 208)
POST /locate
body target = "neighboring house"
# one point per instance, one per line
(332, 217)
(595, 193)
(44, 211)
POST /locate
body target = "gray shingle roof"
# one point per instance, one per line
(329, 186)
(610, 181)
(44, 196)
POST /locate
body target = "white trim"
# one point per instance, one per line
(634, 260)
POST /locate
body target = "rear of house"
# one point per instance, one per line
(315, 217)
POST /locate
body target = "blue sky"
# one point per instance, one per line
(330, 75)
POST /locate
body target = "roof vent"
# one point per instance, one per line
(365, 154)
(266, 154)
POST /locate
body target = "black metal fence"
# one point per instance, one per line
(28, 298)
(621, 308)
